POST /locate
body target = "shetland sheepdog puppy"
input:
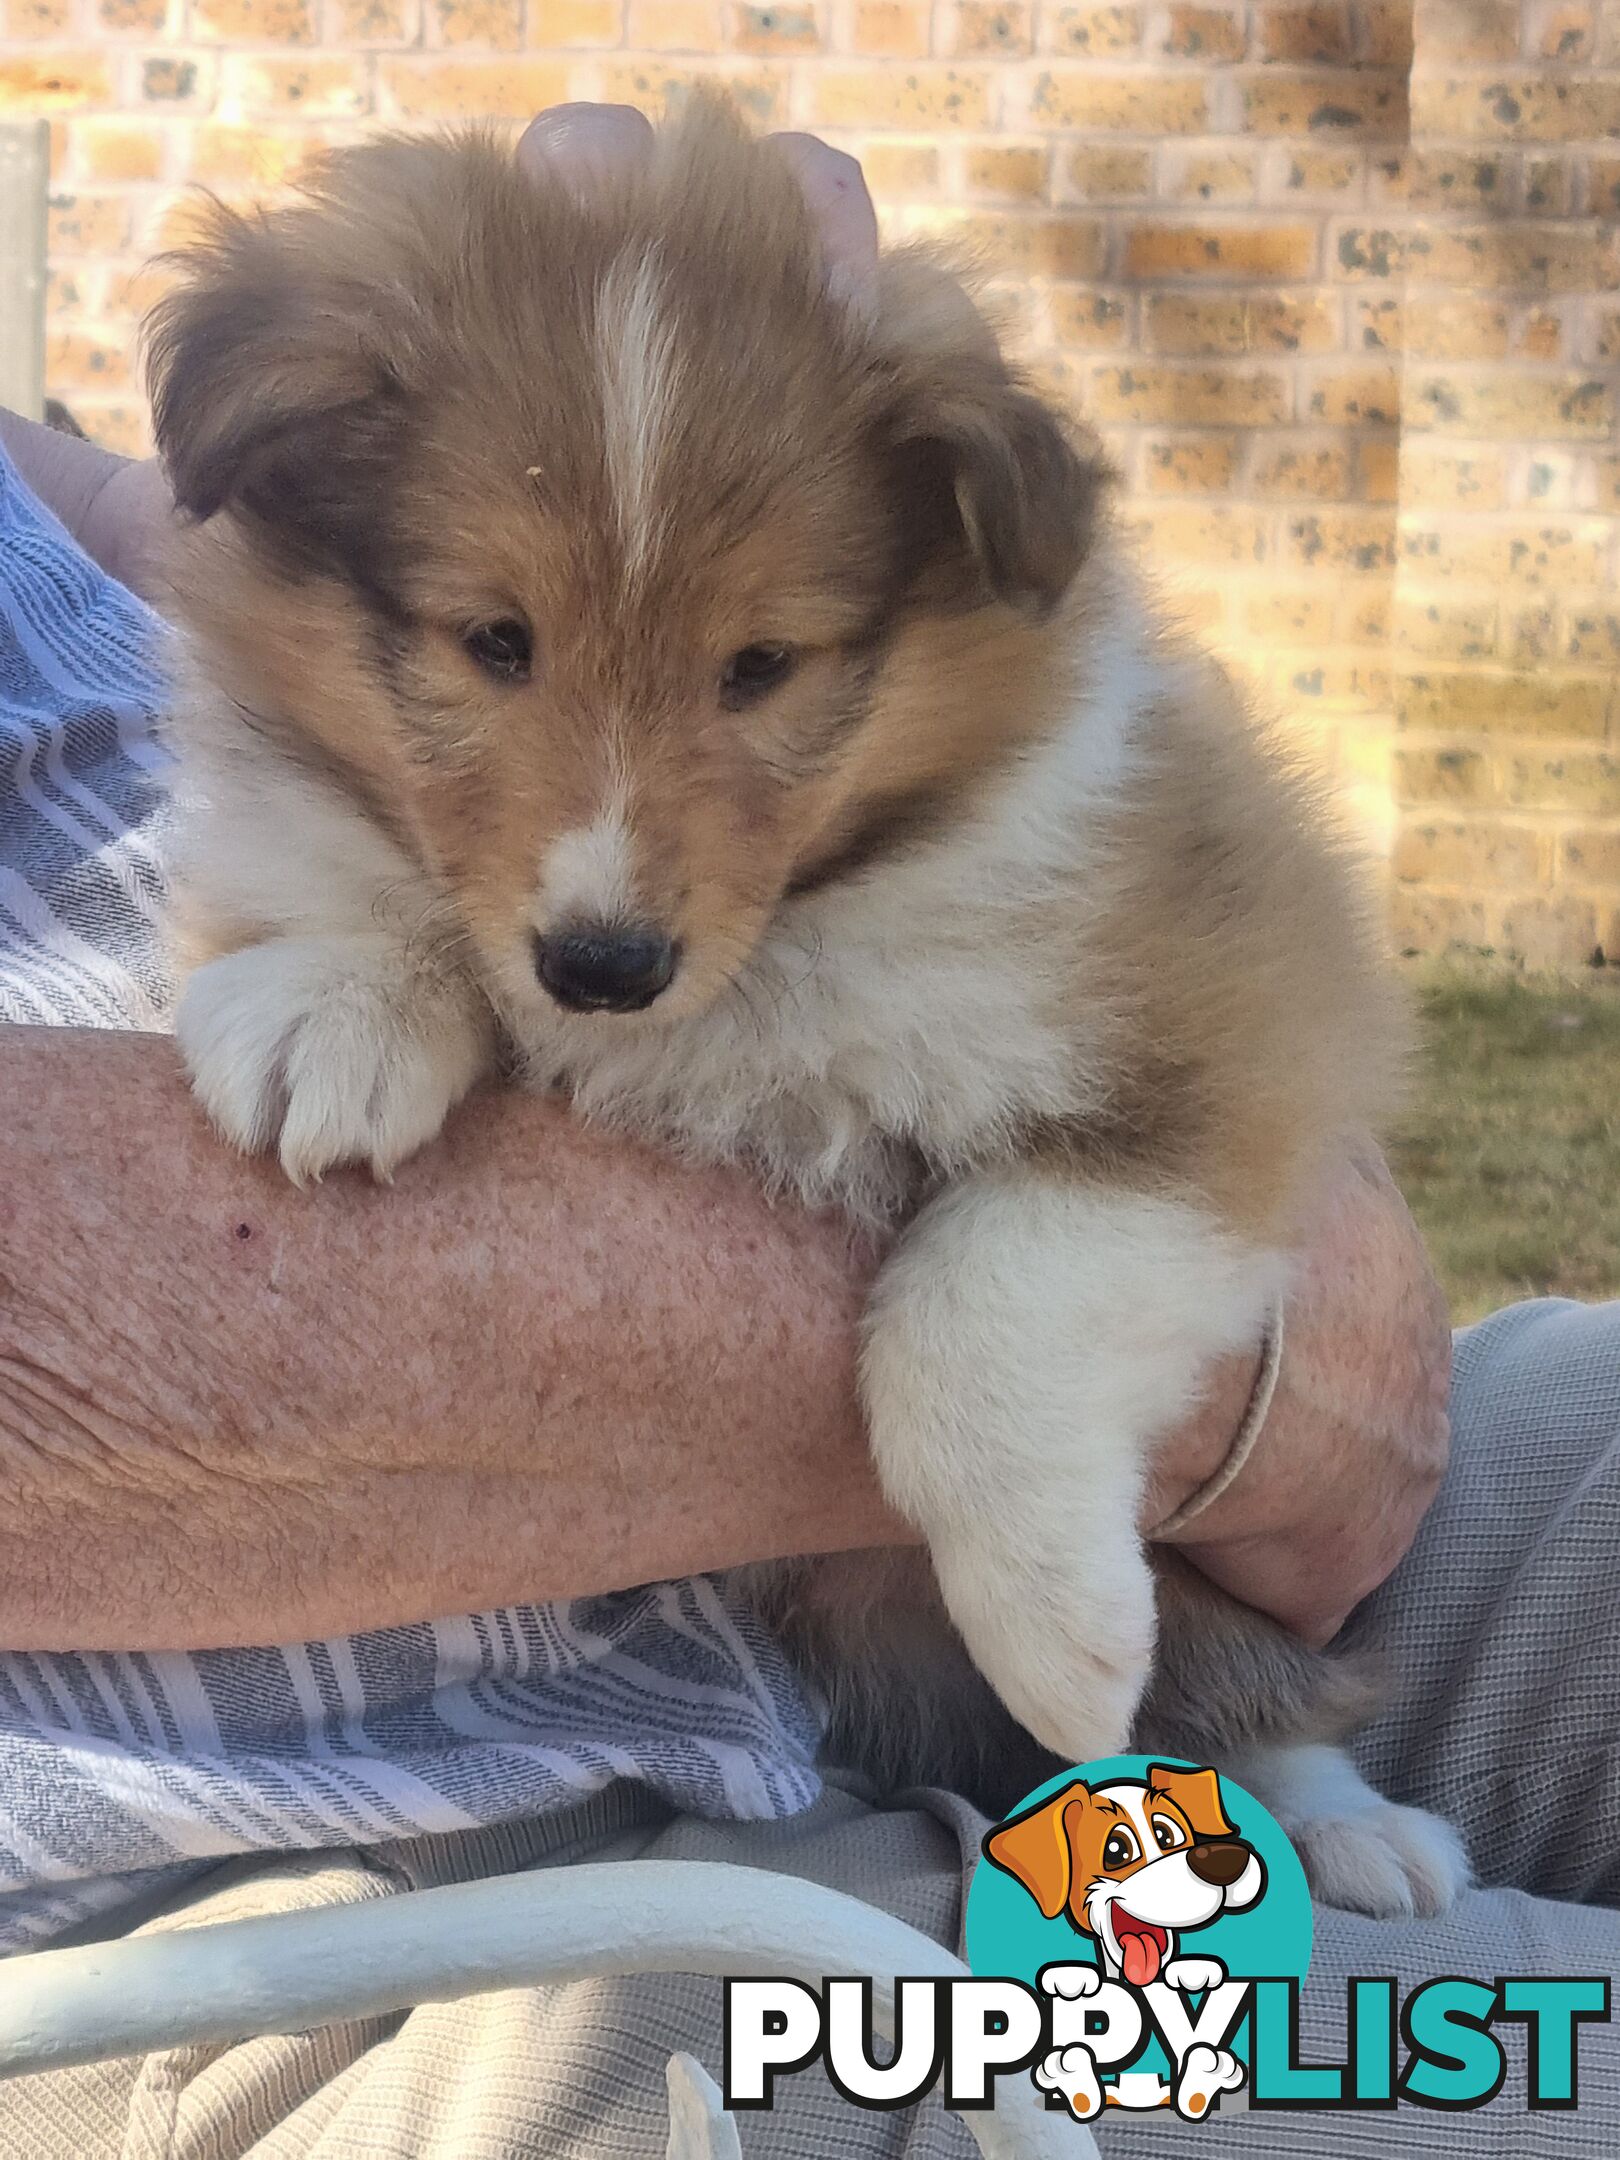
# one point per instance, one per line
(618, 651)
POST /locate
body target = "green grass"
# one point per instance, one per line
(1509, 1153)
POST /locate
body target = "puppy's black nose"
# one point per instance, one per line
(1219, 1864)
(594, 968)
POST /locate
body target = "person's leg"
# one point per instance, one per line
(1501, 1629)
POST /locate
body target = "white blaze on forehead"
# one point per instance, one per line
(636, 357)
(589, 872)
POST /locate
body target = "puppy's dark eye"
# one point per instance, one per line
(1120, 1850)
(1167, 1835)
(755, 672)
(504, 649)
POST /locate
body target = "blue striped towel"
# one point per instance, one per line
(120, 1774)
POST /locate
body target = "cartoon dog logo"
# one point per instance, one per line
(1135, 1864)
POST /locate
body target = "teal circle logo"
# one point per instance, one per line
(1141, 1896)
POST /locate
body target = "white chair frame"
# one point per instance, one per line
(297, 1970)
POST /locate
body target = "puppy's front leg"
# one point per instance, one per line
(1026, 1343)
(332, 1049)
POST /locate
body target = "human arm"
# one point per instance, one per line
(541, 1364)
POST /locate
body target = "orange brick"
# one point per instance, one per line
(988, 28)
(1444, 776)
(434, 89)
(236, 156)
(25, 20)
(1209, 35)
(1209, 176)
(1386, 33)
(1549, 186)
(259, 22)
(1583, 780)
(1321, 34)
(896, 27)
(1220, 251)
(1540, 335)
(1194, 397)
(1014, 171)
(1441, 179)
(396, 22)
(1503, 257)
(324, 88)
(1591, 634)
(1431, 629)
(1094, 30)
(1288, 471)
(1470, 30)
(1564, 33)
(1058, 247)
(675, 25)
(118, 150)
(82, 224)
(1303, 172)
(1378, 468)
(1091, 321)
(1291, 615)
(1540, 109)
(1362, 252)
(1504, 403)
(1458, 327)
(1196, 324)
(81, 360)
(1542, 556)
(136, 18)
(1341, 540)
(758, 89)
(901, 168)
(782, 29)
(1217, 534)
(944, 97)
(1472, 852)
(40, 83)
(1080, 97)
(1293, 322)
(1590, 855)
(1497, 701)
(177, 82)
(496, 24)
(1606, 483)
(1425, 921)
(1110, 173)
(1357, 397)
(1189, 465)
(1367, 103)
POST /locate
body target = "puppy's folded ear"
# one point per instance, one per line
(998, 500)
(1198, 1795)
(272, 396)
(1035, 1849)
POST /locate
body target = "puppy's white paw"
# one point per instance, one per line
(1360, 1851)
(1069, 1654)
(1206, 2072)
(1193, 1975)
(1070, 1983)
(1072, 2071)
(330, 1050)
(1393, 1863)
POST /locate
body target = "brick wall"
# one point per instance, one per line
(1335, 280)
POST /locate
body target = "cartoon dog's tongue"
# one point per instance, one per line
(1141, 1947)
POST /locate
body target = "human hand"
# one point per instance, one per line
(1354, 1444)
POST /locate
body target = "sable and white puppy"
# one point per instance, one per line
(613, 641)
